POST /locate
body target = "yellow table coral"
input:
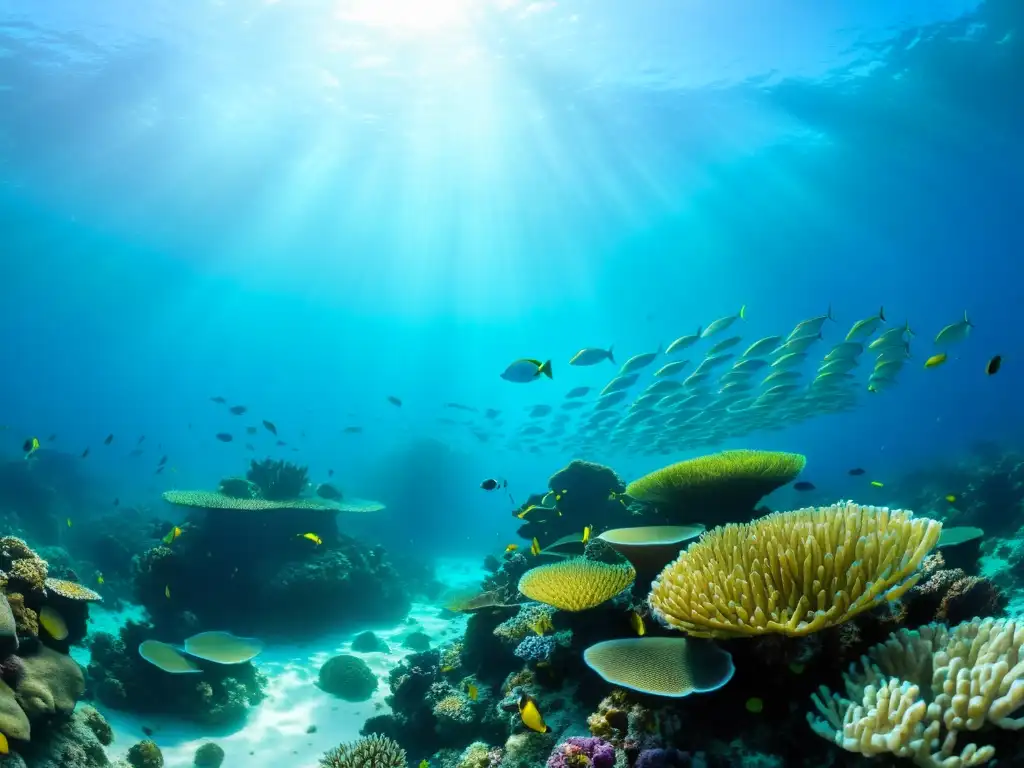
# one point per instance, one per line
(792, 573)
(576, 584)
(914, 694)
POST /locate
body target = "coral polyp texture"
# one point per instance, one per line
(915, 694)
(71, 590)
(576, 584)
(719, 487)
(661, 666)
(371, 752)
(793, 573)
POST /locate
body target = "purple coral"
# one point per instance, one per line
(588, 751)
(663, 758)
(12, 669)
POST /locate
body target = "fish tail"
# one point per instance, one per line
(907, 330)
(968, 320)
(743, 312)
(545, 368)
(881, 314)
(610, 355)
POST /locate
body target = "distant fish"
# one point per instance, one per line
(671, 369)
(219, 400)
(592, 356)
(250, 430)
(135, 453)
(992, 366)
(877, 484)
(683, 342)
(573, 393)
(140, 440)
(249, 447)
(85, 453)
(936, 360)
(586, 534)
(491, 413)
(167, 591)
(511, 547)
(330, 473)
(269, 426)
(539, 410)
(352, 430)
(950, 498)
(68, 521)
(224, 437)
(473, 692)
(395, 401)
(280, 443)
(812, 325)
(117, 502)
(862, 329)
(99, 578)
(311, 537)
(526, 370)
(956, 332)
(856, 471)
(163, 460)
(637, 622)
(171, 536)
(461, 407)
(238, 410)
(803, 485)
(638, 362)
(30, 446)
(724, 322)
(109, 439)
(491, 484)
(724, 344)
(51, 438)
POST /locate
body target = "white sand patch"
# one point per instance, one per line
(275, 732)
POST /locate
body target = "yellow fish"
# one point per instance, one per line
(473, 692)
(535, 547)
(936, 360)
(637, 622)
(542, 625)
(311, 537)
(69, 522)
(877, 484)
(99, 578)
(586, 534)
(172, 535)
(951, 498)
(448, 668)
(511, 547)
(424, 764)
(5, 748)
(526, 511)
(530, 714)
(167, 591)
(31, 446)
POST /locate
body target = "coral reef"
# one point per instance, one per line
(370, 752)
(119, 677)
(145, 754)
(576, 584)
(348, 678)
(368, 642)
(208, 755)
(793, 572)
(582, 752)
(587, 495)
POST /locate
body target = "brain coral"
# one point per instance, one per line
(793, 573)
(372, 752)
(348, 677)
(576, 584)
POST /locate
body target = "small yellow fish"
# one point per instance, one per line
(171, 536)
(950, 498)
(448, 668)
(530, 714)
(31, 446)
(99, 578)
(637, 622)
(535, 547)
(755, 705)
(167, 591)
(424, 764)
(586, 534)
(473, 692)
(877, 484)
(511, 547)
(936, 360)
(5, 748)
(310, 537)
(69, 522)
(542, 625)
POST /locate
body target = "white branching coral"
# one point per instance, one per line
(913, 695)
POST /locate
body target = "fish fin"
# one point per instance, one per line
(545, 368)
(700, 330)
(829, 314)
(968, 320)
(906, 329)
(881, 314)
(743, 312)
(610, 355)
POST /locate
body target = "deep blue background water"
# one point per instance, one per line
(305, 210)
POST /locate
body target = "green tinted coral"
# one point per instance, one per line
(348, 678)
(145, 754)
(208, 755)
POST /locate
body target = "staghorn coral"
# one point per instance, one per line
(914, 694)
(792, 572)
(576, 584)
(718, 488)
(371, 752)
(347, 677)
(278, 480)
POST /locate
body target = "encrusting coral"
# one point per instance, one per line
(718, 488)
(576, 584)
(793, 573)
(914, 694)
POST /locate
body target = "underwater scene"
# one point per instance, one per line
(511, 384)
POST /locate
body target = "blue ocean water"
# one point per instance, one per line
(305, 207)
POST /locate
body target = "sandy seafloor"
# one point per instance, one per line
(275, 732)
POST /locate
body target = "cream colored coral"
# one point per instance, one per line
(972, 675)
(793, 573)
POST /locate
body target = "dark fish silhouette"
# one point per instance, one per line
(856, 471)
(85, 453)
(141, 438)
(269, 425)
(461, 407)
(352, 430)
(330, 473)
(135, 453)
(248, 447)
(803, 485)
(250, 430)
(219, 400)
(163, 460)
(238, 410)
(490, 484)
(492, 413)
(994, 365)
(281, 443)
(117, 502)
(394, 401)
(109, 440)
(159, 470)
(51, 438)
(224, 437)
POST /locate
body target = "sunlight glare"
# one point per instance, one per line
(418, 16)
